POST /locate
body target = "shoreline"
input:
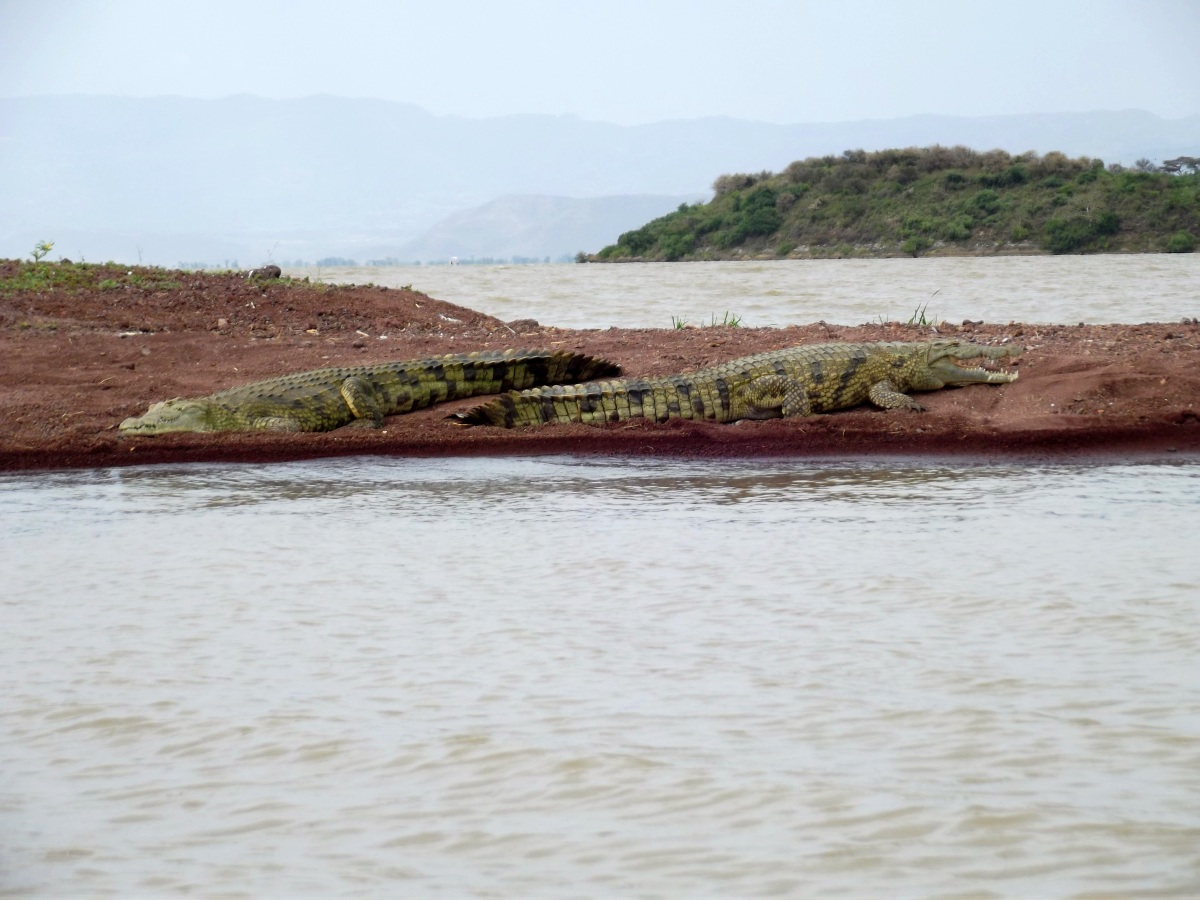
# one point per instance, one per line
(1120, 445)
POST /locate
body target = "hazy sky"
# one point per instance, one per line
(624, 62)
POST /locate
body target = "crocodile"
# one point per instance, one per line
(796, 381)
(324, 399)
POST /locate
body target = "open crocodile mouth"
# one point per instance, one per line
(954, 369)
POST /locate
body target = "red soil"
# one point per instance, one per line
(78, 362)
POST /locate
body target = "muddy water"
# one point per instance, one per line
(1058, 289)
(563, 677)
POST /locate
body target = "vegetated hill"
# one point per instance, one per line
(948, 200)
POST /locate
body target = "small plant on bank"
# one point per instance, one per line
(918, 316)
(729, 320)
(79, 276)
(40, 250)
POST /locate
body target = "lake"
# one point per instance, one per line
(1056, 289)
(557, 677)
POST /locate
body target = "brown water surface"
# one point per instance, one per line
(557, 676)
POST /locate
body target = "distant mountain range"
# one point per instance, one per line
(509, 227)
(171, 179)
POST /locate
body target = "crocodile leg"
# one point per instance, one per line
(275, 423)
(361, 398)
(771, 396)
(884, 395)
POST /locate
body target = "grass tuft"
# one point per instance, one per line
(729, 320)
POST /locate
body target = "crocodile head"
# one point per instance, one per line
(936, 365)
(172, 415)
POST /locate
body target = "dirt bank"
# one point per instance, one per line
(78, 360)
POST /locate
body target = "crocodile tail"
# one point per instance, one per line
(571, 368)
(501, 412)
(560, 373)
(536, 406)
(592, 404)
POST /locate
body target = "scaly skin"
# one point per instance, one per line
(797, 381)
(324, 399)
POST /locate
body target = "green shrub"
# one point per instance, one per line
(1079, 233)
(1129, 182)
(985, 203)
(676, 246)
(912, 225)
(761, 221)
(957, 229)
(761, 197)
(1013, 175)
(916, 245)
(1107, 223)
(636, 242)
(1183, 198)
(723, 240)
(752, 213)
(1181, 242)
